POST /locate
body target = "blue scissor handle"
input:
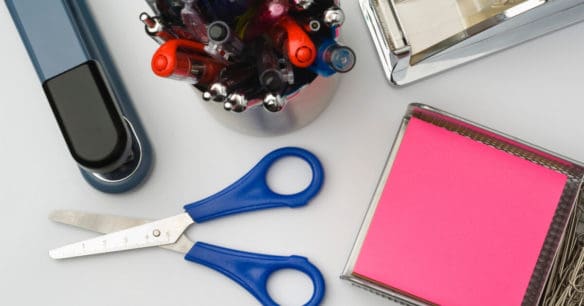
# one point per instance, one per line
(251, 192)
(252, 271)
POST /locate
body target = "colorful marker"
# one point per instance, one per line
(206, 8)
(271, 76)
(294, 42)
(184, 60)
(222, 41)
(268, 14)
(170, 11)
(225, 10)
(194, 22)
(333, 58)
(242, 52)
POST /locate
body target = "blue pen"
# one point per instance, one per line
(333, 58)
(249, 193)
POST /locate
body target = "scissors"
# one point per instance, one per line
(249, 193)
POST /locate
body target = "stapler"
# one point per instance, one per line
(419, 38)
(85, 92)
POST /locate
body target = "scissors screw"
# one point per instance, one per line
(156, 233)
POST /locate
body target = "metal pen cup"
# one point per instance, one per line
(302, 108)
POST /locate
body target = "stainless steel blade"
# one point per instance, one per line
(163, 232)
(99, 223)
(106, 224)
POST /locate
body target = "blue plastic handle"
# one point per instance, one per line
(252, 271)
(252, 192)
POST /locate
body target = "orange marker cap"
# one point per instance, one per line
(164, 61)
(299, 47)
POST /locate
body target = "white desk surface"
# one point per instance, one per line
(534, 91)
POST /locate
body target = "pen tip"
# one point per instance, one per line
(207, 96)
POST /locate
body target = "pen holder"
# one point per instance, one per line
(265, 67)
(303, 107)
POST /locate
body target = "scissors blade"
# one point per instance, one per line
(162, 232)
(106, 224)
(99, 223)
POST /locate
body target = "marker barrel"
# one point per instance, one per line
(256, 52)
(294, 42)
(271, 77)
(184, 60)
(222, 40)
(232, 78)
(269, 13)
(194, 22)
(340, 58)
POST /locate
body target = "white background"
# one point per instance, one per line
(534, 91)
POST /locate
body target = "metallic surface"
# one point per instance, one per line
(105, 224)
(207, 96)
(402, 65)
(303, 107)
(236, 102)
(141, 236)
(274, 103)
(349, 267)
(314, 25)
(301, 5)
(149, 22)
(217, 92)
(155, 29)
(334, 17)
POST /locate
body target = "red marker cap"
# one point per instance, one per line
(165, 62)
(185, 60)
(298, 45)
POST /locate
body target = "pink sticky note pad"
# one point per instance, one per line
(459, 222)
